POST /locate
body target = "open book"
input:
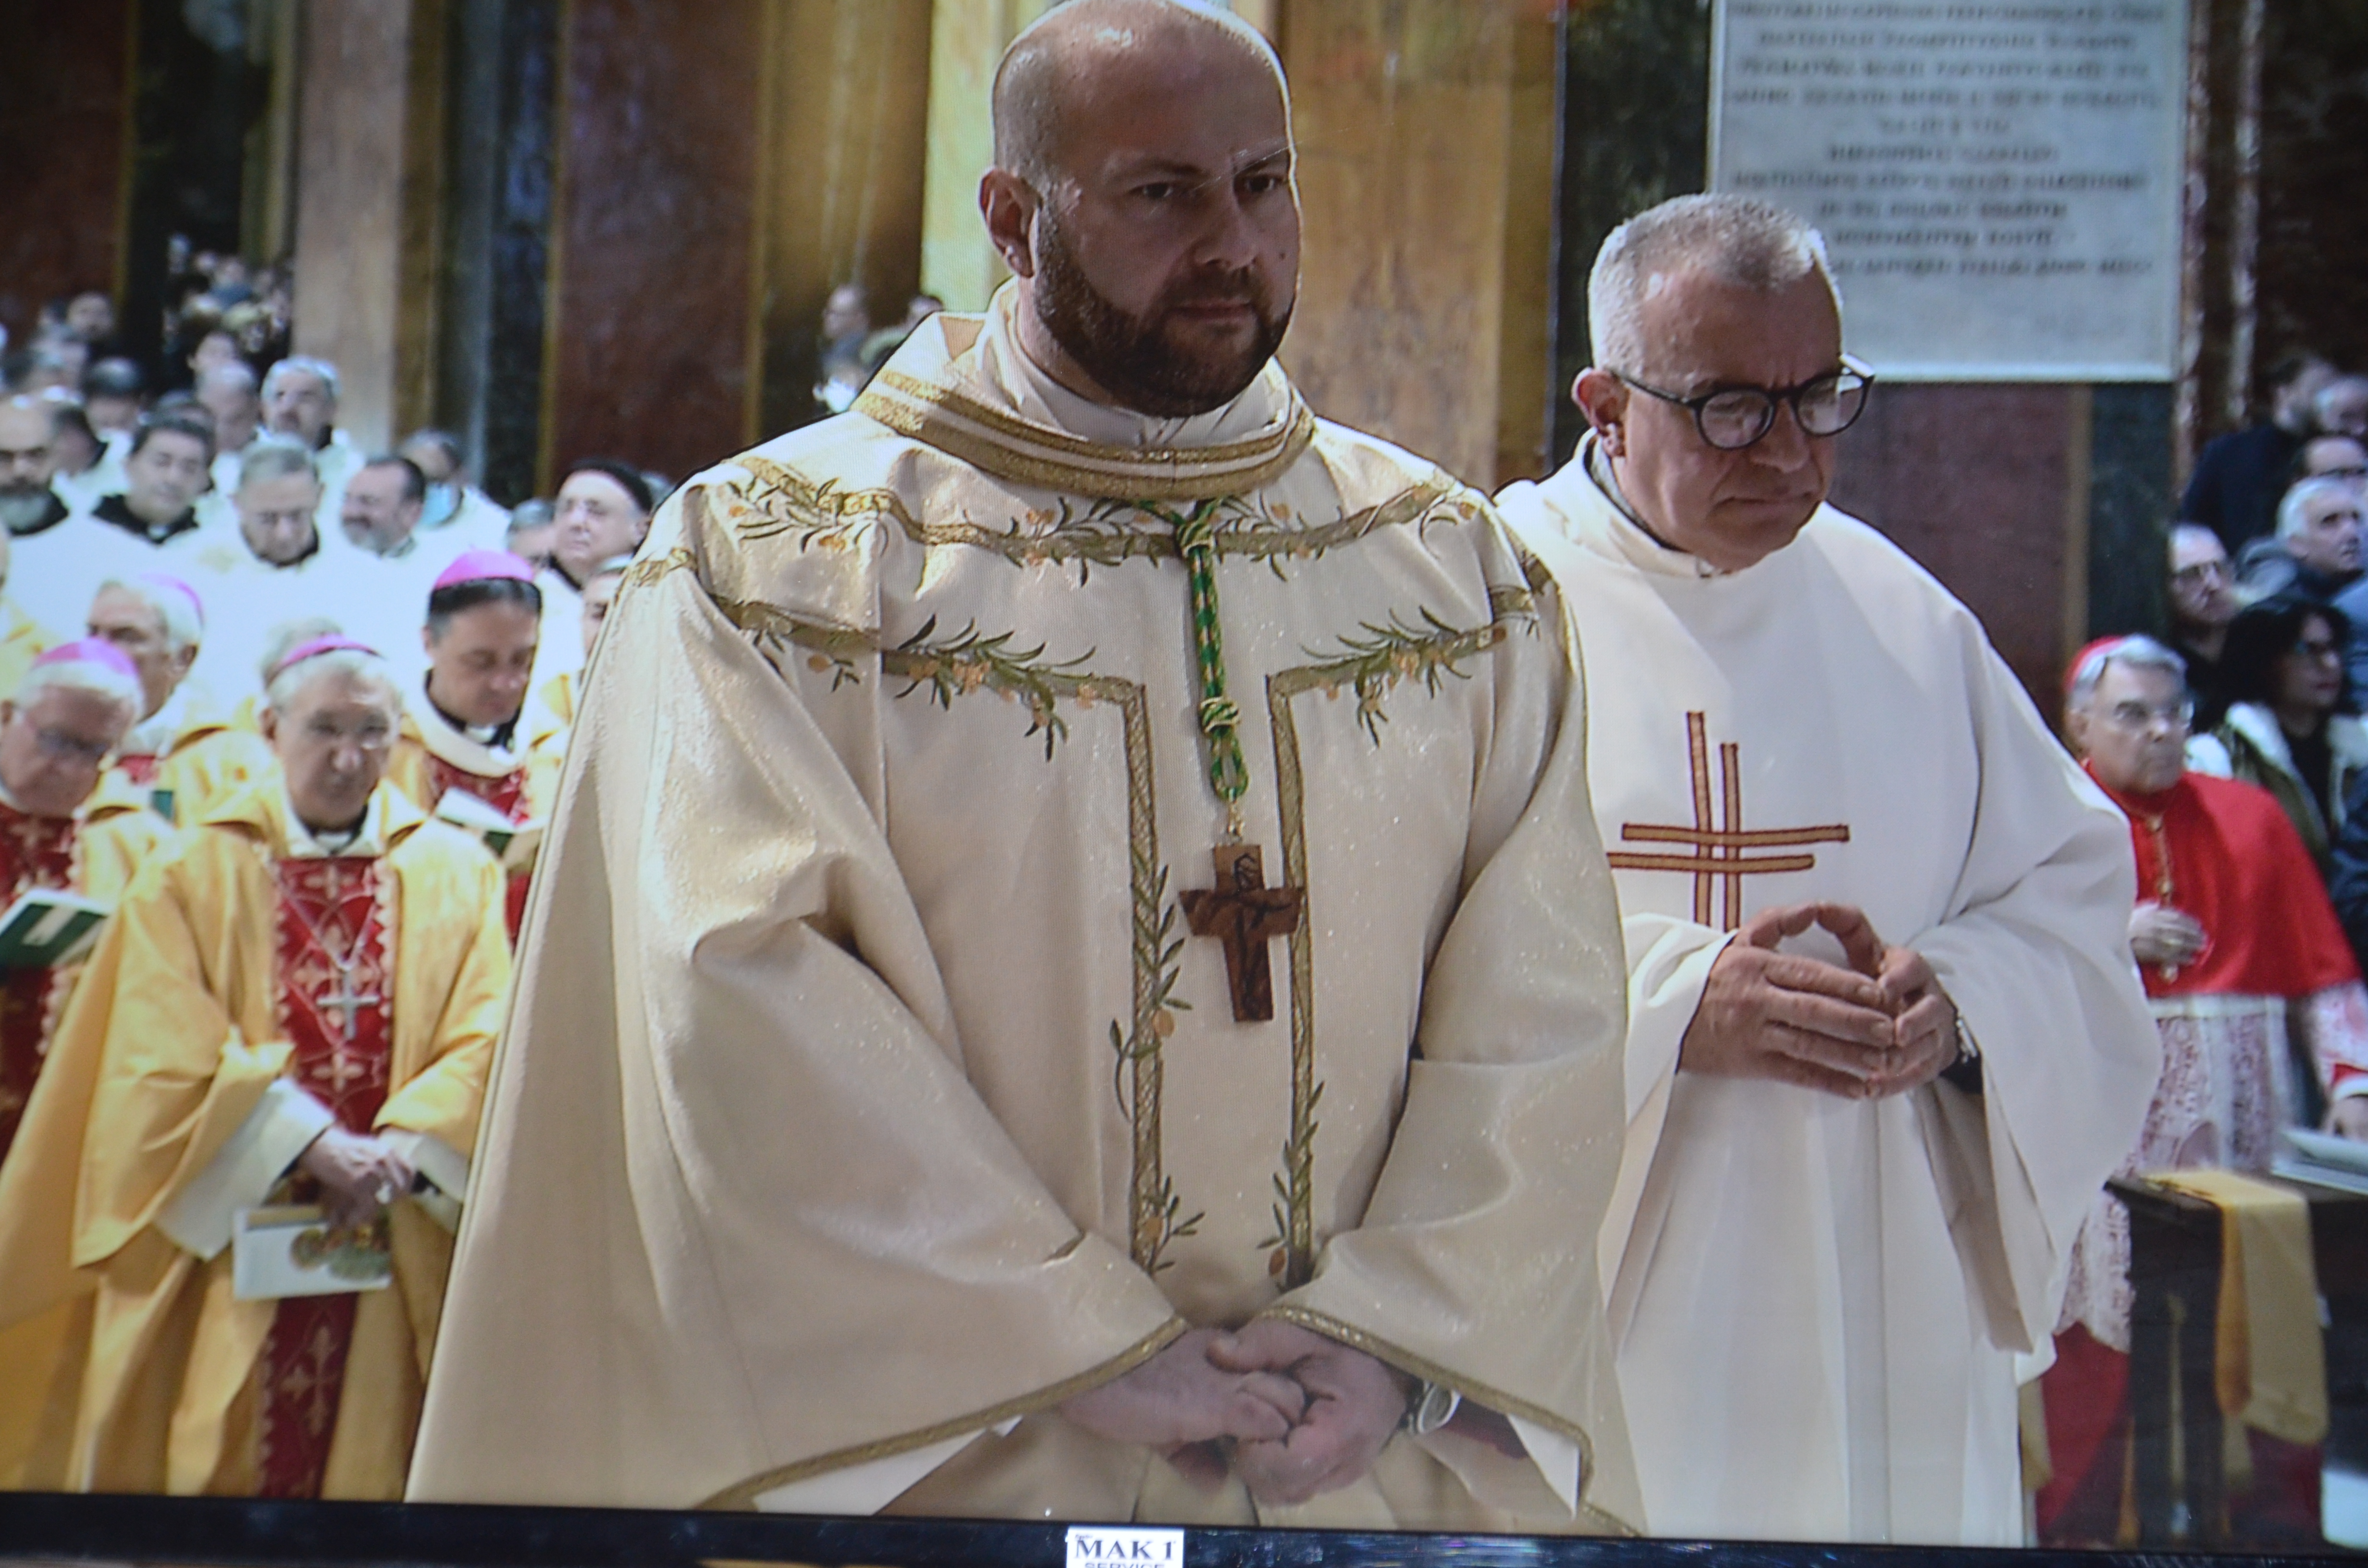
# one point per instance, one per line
(2323, 1159)
(508, 840)
(290, 1250)
(49, 926)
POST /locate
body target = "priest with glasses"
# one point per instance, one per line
(1884, 1038)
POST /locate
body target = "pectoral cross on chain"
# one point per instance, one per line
(1245, 913)
(346, 1001)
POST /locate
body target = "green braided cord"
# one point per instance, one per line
(1196, 539)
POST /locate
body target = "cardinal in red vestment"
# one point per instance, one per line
(2264, 1025)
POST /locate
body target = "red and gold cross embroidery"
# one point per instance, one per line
(1719, 853)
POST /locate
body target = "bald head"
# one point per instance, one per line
(1143, 198)
(1095, 54)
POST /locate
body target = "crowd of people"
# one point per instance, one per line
(876, 1127)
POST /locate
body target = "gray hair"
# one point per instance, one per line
(292, 682)
(271, 457)
(2327, 394)
(232, 372)
(1738, 240)
(1033, 75)
(319, 370)
(2290, 518)
(77, 675)
(286, 636)
(2137, 652)
(184, 624)
(443, 441)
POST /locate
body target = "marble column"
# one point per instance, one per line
(847, 103)
(1426, 156)
(651, 353)
(64, 113)
(967, 38)
(369, 202)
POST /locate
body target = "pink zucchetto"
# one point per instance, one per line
(91, 651)
(484, 566)
(313, 649)
(174, 584)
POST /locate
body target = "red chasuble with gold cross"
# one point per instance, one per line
(35, 852)
(335, 976)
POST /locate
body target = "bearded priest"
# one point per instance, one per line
(463, 754)
(296, 1007)
(1072, 937)
(1885, 1040)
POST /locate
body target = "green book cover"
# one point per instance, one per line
(48, 926)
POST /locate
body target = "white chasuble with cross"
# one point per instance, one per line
(1818, 1302)
(909, 1038)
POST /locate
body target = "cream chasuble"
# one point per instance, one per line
(172, 1097)
(1818, 1301)
(867, 1089)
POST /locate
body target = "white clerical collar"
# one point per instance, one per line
(1586, 490)
(473, 749)
(1004, 367)
(368, 839)
(154, 735)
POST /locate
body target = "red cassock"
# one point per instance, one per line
(2225, 853)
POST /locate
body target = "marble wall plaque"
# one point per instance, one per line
(1998, 181)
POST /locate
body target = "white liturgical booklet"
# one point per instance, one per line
(473, 817)
(48, 926)
(2323, 1160)
(289, 1250)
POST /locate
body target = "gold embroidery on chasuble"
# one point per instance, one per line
(1719, 854)
(778, 503)
(1378, 659)
(333, 999)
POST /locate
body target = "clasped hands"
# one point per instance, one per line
(1880, 1027)
(1291, 1412)
(358, 1175)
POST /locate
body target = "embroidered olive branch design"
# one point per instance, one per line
(1157, 947)
(971, 659)
(1385, 655)
(1294, 1193)
(776, 499)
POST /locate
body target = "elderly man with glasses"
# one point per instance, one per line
(1885, 1037)
(2241, 955)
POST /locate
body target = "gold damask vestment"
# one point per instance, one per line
(866, 1095)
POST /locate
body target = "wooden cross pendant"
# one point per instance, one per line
(1245, 913)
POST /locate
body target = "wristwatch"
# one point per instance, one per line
(1966, 1072)
(1432, 1407)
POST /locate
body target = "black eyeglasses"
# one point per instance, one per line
(1732, 418)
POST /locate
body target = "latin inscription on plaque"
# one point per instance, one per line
(1998, 181)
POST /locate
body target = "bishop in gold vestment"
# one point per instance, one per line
(867, 1094)
(261, 987)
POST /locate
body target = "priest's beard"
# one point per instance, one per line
(20, 509)
(1140, 359)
